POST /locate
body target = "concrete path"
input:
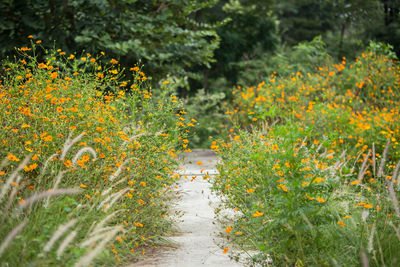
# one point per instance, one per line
(196, 242)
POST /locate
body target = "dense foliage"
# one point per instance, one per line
(314, 181)
(165, 35)
(81, 168)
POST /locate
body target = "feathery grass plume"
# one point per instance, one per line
(393, 198)
(58, 178)
(12, 195)
(104, 221)
(132, 138)
(371, 239)
(339, 162)
(58, 233)
(99, 234)
(307, 221)
(4, 163)
(94, 234)
(36, 197)
(46, 163)
(117, 196)
(13, 175)
(88, 257)
(81, 152)
(11, 235)
(381, 252)
(383, 159)
(64, 244)
(69, 143)
(303, 143)
(364, 259)
(396, 176)
(396, 229)
(361, 173)
(373, 159)
(119, 170)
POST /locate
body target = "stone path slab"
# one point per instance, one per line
(197, 238)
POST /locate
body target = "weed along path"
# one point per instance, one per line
(197, 237)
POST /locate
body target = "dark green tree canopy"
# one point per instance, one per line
(166, 35)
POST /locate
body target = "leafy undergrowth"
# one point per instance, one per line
(316, 179)
(88, 159)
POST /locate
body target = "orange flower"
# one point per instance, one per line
(249, 191)
(341, 223)
(48, 138)
(68, 163)
(199, 163)
(54, 75)
(258, 214)
(228, 229)
(113, 61)
(13, 158)
(225, 250)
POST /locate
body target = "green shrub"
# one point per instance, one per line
(312, 176)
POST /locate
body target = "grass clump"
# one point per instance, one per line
(88, 158)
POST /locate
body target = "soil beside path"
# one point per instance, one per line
(196, 242)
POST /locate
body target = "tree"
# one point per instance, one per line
(166, 35)
(249, 28)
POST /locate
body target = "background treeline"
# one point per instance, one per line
(206, 41)
(204, 48)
